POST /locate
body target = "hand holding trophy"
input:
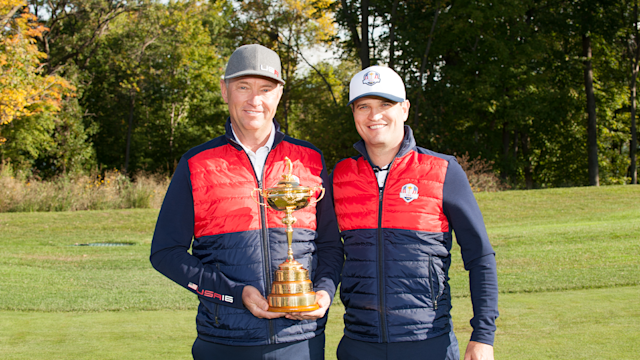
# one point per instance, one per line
(292, 291)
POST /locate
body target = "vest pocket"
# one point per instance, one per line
(434, 283)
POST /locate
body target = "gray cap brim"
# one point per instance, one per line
(254, 73)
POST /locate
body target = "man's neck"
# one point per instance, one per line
(382, 156)
(252, 140)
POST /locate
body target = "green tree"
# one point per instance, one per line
(288, 27)
(24, 91)
(323, 118)
(155, 91)
(46, 136)
(504, 81)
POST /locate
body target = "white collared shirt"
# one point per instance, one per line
(381, 174)
(259, 157)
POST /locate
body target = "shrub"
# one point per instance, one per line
(480, 174)
(113, 190)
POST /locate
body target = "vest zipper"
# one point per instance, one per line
(383, 309)
(381, 291)
(265, 242)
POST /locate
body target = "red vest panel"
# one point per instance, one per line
(222, 179)
(356, 196)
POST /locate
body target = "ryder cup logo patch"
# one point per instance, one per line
(371, 78)
(409, 193)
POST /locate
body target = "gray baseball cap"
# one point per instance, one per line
(254, 60)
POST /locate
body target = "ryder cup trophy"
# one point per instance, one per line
(292, 291)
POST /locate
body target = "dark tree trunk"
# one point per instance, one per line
(632, 151)
(634, 141)
(516, 142)
(129, 131)
(392, 35)
(592, 135)
(423, 66)
(633, 170)
(364, 30)
(506, 141)
(361, 44)
(528, 173)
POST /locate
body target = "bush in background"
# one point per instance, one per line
(480, 174)
(113, 190)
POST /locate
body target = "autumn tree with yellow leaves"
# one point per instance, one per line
(24, 90)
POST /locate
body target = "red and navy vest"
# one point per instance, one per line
(245, 241)
(396, 241)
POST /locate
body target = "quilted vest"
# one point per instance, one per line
(396, 241)
(245, 242)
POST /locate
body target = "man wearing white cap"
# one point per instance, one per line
(397, 206)
(213, 239)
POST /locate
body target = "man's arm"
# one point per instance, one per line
(466, 220)
(328, 244)
(172, 240)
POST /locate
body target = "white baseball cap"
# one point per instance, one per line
(377, 81)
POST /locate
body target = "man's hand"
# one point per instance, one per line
(257, 304)
(323, 299)
(478, 351)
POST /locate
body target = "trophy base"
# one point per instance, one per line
(294, 308)
(292, 302)
(292, 291)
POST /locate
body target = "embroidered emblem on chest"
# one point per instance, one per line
(409, 192)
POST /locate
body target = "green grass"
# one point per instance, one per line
(576, 324)
(568, 267)
(561, 239)
(37, 257)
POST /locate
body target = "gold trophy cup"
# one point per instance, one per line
(292, 291)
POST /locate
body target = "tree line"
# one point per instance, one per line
(544, 90)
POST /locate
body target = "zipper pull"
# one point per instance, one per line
(380, 194)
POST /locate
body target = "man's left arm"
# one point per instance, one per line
(466, 221)
(328, 244)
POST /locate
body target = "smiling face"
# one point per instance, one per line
(380, 123)
(252, 102)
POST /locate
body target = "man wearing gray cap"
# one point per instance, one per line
(397, 206)
(236, 245)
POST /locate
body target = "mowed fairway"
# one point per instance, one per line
(568, 266)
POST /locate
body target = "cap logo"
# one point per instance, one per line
(269, 69)
(371, 78)
(409, 192)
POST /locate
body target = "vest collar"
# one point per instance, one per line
(232, 140)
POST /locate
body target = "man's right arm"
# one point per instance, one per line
(172, 240)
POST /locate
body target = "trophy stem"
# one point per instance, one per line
(289, 220)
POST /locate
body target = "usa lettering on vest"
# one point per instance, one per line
(211, 294)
